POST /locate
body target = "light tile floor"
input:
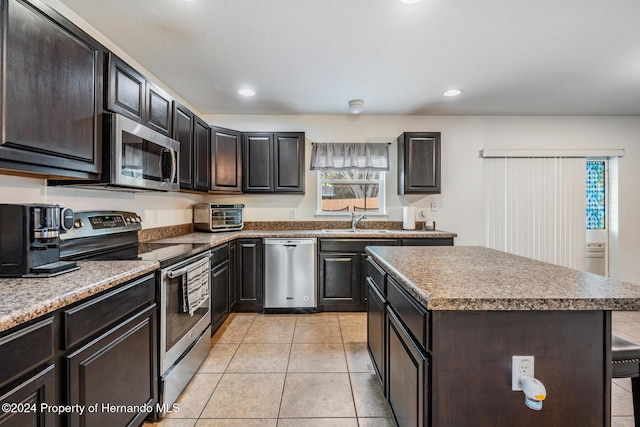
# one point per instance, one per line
(285, 371)
(312, 371)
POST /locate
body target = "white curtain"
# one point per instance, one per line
(535, 207)
(350, 155)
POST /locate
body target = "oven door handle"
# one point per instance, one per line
(172, 274)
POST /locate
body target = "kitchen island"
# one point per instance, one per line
(444, 323)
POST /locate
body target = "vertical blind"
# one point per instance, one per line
(535, 207)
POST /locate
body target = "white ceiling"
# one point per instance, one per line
(543, 57)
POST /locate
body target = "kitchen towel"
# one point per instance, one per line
(409, 218)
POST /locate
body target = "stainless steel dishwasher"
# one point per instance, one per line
(290, 273)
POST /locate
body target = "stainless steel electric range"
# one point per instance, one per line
(182, 289)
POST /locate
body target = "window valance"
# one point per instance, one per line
(350, 155)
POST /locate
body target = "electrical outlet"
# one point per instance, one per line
(292, 214)
(520, 365)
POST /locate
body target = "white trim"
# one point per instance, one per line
(499, 152)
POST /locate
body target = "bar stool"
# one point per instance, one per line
(625, 358)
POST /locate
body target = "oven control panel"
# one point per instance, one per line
(95, 223)
(106, 221)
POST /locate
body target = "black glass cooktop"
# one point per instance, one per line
(164, 253)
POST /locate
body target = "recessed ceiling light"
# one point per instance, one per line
(409, 1)
(246, 92)
(452, 92)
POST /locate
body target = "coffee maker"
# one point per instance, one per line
(30, 240)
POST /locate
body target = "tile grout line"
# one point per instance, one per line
(286, 371)
(353, 399)
(225, 369)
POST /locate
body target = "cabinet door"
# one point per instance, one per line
(233, 268)
(226, 160)
(201, 159)
(339, 281)
(289, 162)
(183, 126)
(158, 115)
(406, 376)
(219, 294)
(257, 162)
(375, 330)
(419, 163)
(51, 94)
(117, 368)
(125, 90)
(32, 393)
(249, 280)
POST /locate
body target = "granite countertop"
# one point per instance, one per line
(22, 300)
(477, 278)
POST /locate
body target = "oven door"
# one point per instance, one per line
(181, 325)
(142, 157)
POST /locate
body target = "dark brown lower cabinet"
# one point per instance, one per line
(34, 392)
(375, 330)
(116, 369)
(339, 287)
(406, 376)
(249, 275)
(341, 272)
(219, 286)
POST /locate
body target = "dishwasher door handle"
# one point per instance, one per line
(290, 246)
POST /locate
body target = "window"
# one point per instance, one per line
(350, 177)
(344, 191)
(596, 191)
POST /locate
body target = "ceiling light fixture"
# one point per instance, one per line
(356, 106)
(409, 1)
(246, 92)
(452, 92)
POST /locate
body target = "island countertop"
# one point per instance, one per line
(477, 278)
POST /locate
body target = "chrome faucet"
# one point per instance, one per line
(355, 220)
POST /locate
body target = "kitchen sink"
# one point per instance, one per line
(349, 230)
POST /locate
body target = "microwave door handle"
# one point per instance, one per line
(174, 166)
(172, 274)
(172, 174)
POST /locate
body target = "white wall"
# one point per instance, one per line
(459, 207)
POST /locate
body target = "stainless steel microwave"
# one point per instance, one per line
(135, 158)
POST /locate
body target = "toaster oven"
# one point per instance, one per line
(215, 217)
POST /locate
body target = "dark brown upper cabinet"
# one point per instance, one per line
(273, 162)
(201, 157)
(51, 93)
(125, 89)
(226, 161)
(131, 94)
(183, 128)
(419, 163)
(158, 109)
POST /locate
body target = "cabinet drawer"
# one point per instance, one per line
(412, 314)
(377, 276)
(26, 349)
(354, 245)
(90, 317)
(432, 241)
(219, 254)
